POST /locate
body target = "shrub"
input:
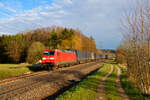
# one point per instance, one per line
(35, 52)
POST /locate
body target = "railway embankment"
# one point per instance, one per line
(45, 84)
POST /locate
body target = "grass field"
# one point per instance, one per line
(86, 89)
(10, 70)
(133, 92)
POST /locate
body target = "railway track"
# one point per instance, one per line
(4, 81)
(31, 86)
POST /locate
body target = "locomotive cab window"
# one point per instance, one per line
(49, 53)
(45, 53)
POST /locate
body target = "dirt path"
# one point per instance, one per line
(101, 90)
(121, 91)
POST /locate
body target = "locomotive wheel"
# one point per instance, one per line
(49, 68)
(60, 66)
(66, 65)
(54, 67)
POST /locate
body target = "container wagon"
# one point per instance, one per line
(83, 56)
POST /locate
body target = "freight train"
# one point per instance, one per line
(59, 58)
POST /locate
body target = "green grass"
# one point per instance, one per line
(87, 88)
(10, 70)
(110, 87)
(133, 92)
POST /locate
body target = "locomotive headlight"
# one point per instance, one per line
(43, 58)
(52, 58)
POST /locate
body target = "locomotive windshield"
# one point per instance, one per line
(49, 52)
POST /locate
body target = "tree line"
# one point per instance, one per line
(135, 48)
(28, 46)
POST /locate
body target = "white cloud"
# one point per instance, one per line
(1, 4)
(69, 2)
(64, 2)
(54, 6)
(93, 1)
(100, 15)
(11, 9)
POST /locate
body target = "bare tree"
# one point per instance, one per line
(136, 31)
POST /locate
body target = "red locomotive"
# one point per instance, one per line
(56, 58)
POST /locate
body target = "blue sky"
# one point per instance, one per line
(97, 18)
